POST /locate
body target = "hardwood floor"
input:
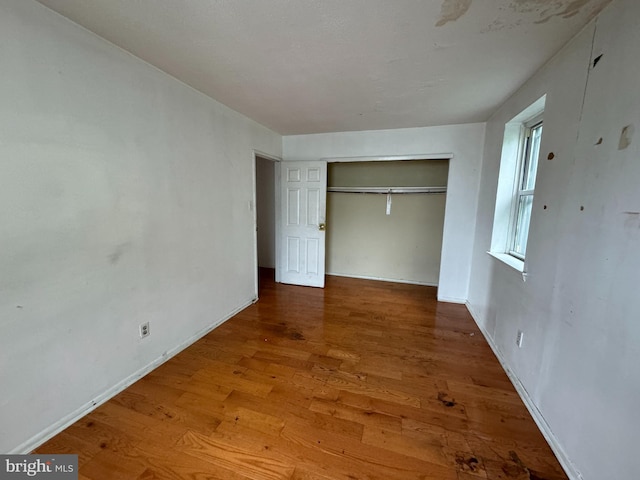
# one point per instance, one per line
(361, 380)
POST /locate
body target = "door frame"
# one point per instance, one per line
(276, 167)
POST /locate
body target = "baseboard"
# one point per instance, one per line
(38, 439)
(568, 466)
(461, 301)
(381, 279)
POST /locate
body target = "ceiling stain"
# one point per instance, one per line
(452, 10)
(542, 11)
(548, 9)
(224, 48)
(570, 10)
(498, 24)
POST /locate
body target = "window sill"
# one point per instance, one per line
(512, 261)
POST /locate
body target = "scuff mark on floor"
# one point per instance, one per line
(283, 330)
(452, 10)
(467, 463)
(516, 468)
(443, 398)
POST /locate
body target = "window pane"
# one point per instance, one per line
(522, 224)
(531, 158)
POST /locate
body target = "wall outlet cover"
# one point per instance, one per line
(144, 330)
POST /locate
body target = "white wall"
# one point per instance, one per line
(124, 198)
(465, 142)
(578, 308)
(266, 211)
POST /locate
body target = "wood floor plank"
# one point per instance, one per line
(428, 448)
(362, 380)
(249, 462)
(365, 457)
(360, 416)
(179, 465)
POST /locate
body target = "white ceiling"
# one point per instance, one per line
(310, 66)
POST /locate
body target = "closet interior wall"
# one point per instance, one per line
(396, 237)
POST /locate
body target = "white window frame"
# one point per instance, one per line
(509, 180)
(524, 158)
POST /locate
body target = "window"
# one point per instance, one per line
(516, 185)
(523, 196)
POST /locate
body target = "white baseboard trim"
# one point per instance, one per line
(461, 301)
(51, 431)
(394, 280)
(568, 466)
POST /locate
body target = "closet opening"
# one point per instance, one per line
(385, 219)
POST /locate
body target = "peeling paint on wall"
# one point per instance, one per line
(626, 137)
(452, 10)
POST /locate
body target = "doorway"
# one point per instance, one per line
(265, 195)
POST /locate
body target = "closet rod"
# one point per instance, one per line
(387, 190)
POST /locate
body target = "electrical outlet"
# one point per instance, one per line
(519, 338)
(144, 330)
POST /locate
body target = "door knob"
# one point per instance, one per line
(322, 227)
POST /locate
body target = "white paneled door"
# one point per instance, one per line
(303, 202)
